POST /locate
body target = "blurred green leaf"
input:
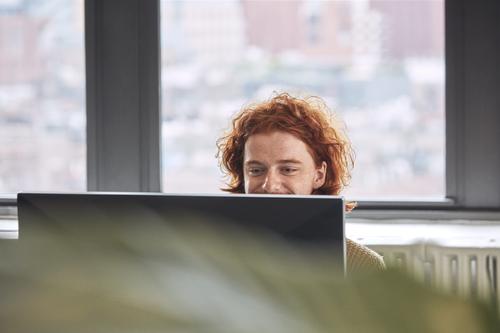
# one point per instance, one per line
(188, 275)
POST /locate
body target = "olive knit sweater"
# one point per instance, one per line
(361, 258)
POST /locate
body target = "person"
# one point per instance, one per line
(290, 145)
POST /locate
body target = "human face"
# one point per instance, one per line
(280, 163)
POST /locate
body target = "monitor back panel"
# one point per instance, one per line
(313, 220)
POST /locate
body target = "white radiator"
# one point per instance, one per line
(469, 272)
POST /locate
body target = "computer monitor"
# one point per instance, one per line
(305, 220)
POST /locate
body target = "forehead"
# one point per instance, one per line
(276, 145)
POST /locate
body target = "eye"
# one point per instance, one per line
(255, 171)
(289, 170)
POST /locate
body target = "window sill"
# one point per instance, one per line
(9, 227)
(429, 214)
(447, 233)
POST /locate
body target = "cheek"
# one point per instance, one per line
(303, 185)
(295, 185)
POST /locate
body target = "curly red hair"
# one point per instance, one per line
(309, 120)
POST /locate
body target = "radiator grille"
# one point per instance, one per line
(469, 272)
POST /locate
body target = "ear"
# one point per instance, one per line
(320, 176)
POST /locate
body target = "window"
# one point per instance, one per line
(42, 94)
(357, 55)
(123, 118)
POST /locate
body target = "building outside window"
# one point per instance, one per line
(373, 62)
(42, 96)
(218, 56)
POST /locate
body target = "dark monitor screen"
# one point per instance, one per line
(314, 220)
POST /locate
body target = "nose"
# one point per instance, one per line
(272, 183)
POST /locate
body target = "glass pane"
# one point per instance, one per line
(42, 96)
(378, 64)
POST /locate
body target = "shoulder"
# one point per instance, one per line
(361, 258)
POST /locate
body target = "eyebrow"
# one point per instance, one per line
(289, 161)
(252, 162)
(286, 161)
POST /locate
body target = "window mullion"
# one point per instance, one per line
(473, 101)
(123, 128)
